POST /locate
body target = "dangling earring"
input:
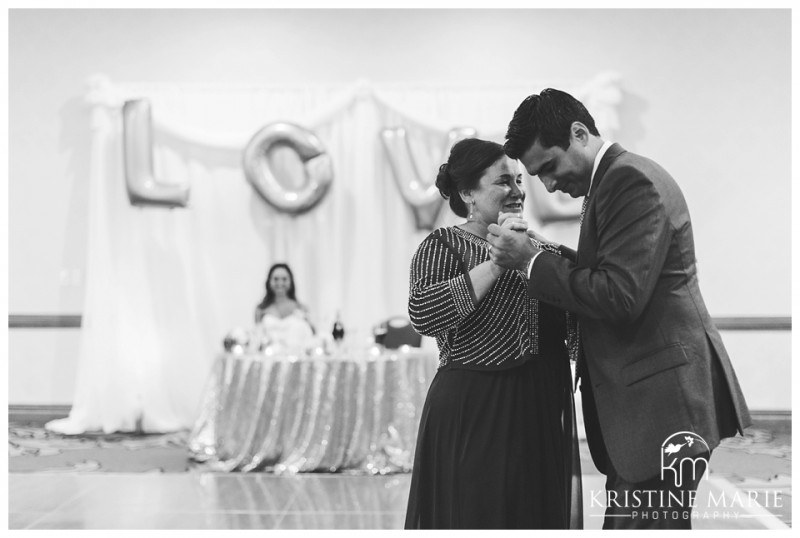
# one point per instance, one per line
(471, 207)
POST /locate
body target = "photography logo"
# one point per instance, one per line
(684, 464)
(676, 461)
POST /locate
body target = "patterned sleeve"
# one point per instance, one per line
(440, 293)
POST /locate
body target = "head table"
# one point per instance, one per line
(349, 411)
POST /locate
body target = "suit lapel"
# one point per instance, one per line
(610, 155)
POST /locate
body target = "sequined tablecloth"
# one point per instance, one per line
(324, 413)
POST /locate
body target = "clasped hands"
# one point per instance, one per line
(512, 245)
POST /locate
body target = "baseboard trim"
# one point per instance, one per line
(775, 414)
(73, 321)
(37, 413)
(762, 323)
(44, 321)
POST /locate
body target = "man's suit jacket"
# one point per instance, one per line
(648, 341)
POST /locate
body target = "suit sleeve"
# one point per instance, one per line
(440, 293)
(568, 253)
(633, 237)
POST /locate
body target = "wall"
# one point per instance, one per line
(707, 94)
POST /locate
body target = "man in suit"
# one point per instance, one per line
(650, 361)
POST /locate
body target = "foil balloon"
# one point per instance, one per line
(144, 189)
(423, 197)
(317, 168)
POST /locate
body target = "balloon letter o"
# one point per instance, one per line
(316, 164)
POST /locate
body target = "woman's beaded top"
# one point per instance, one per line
(503, 331)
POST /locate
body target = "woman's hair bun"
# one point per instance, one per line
(444, 182)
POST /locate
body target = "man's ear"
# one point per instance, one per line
(579, 133)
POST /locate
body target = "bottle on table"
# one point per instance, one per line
(338, 329)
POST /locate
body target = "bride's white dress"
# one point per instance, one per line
(290, 332)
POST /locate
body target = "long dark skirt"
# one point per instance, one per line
(498, 450)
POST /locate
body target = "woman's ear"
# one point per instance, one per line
(466, 196)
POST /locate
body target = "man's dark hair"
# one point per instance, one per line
(547, 117)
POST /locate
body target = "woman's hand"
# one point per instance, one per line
(512, 221)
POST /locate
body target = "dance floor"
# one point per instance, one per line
(265, 501)
(749, 488)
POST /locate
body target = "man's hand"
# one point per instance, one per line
(510, 247)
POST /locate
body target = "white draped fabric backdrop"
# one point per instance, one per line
(164, 286)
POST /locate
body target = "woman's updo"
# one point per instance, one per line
(468, 160)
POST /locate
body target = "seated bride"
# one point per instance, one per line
(279, 317)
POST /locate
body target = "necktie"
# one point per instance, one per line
(573, 327)
(583, 209)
